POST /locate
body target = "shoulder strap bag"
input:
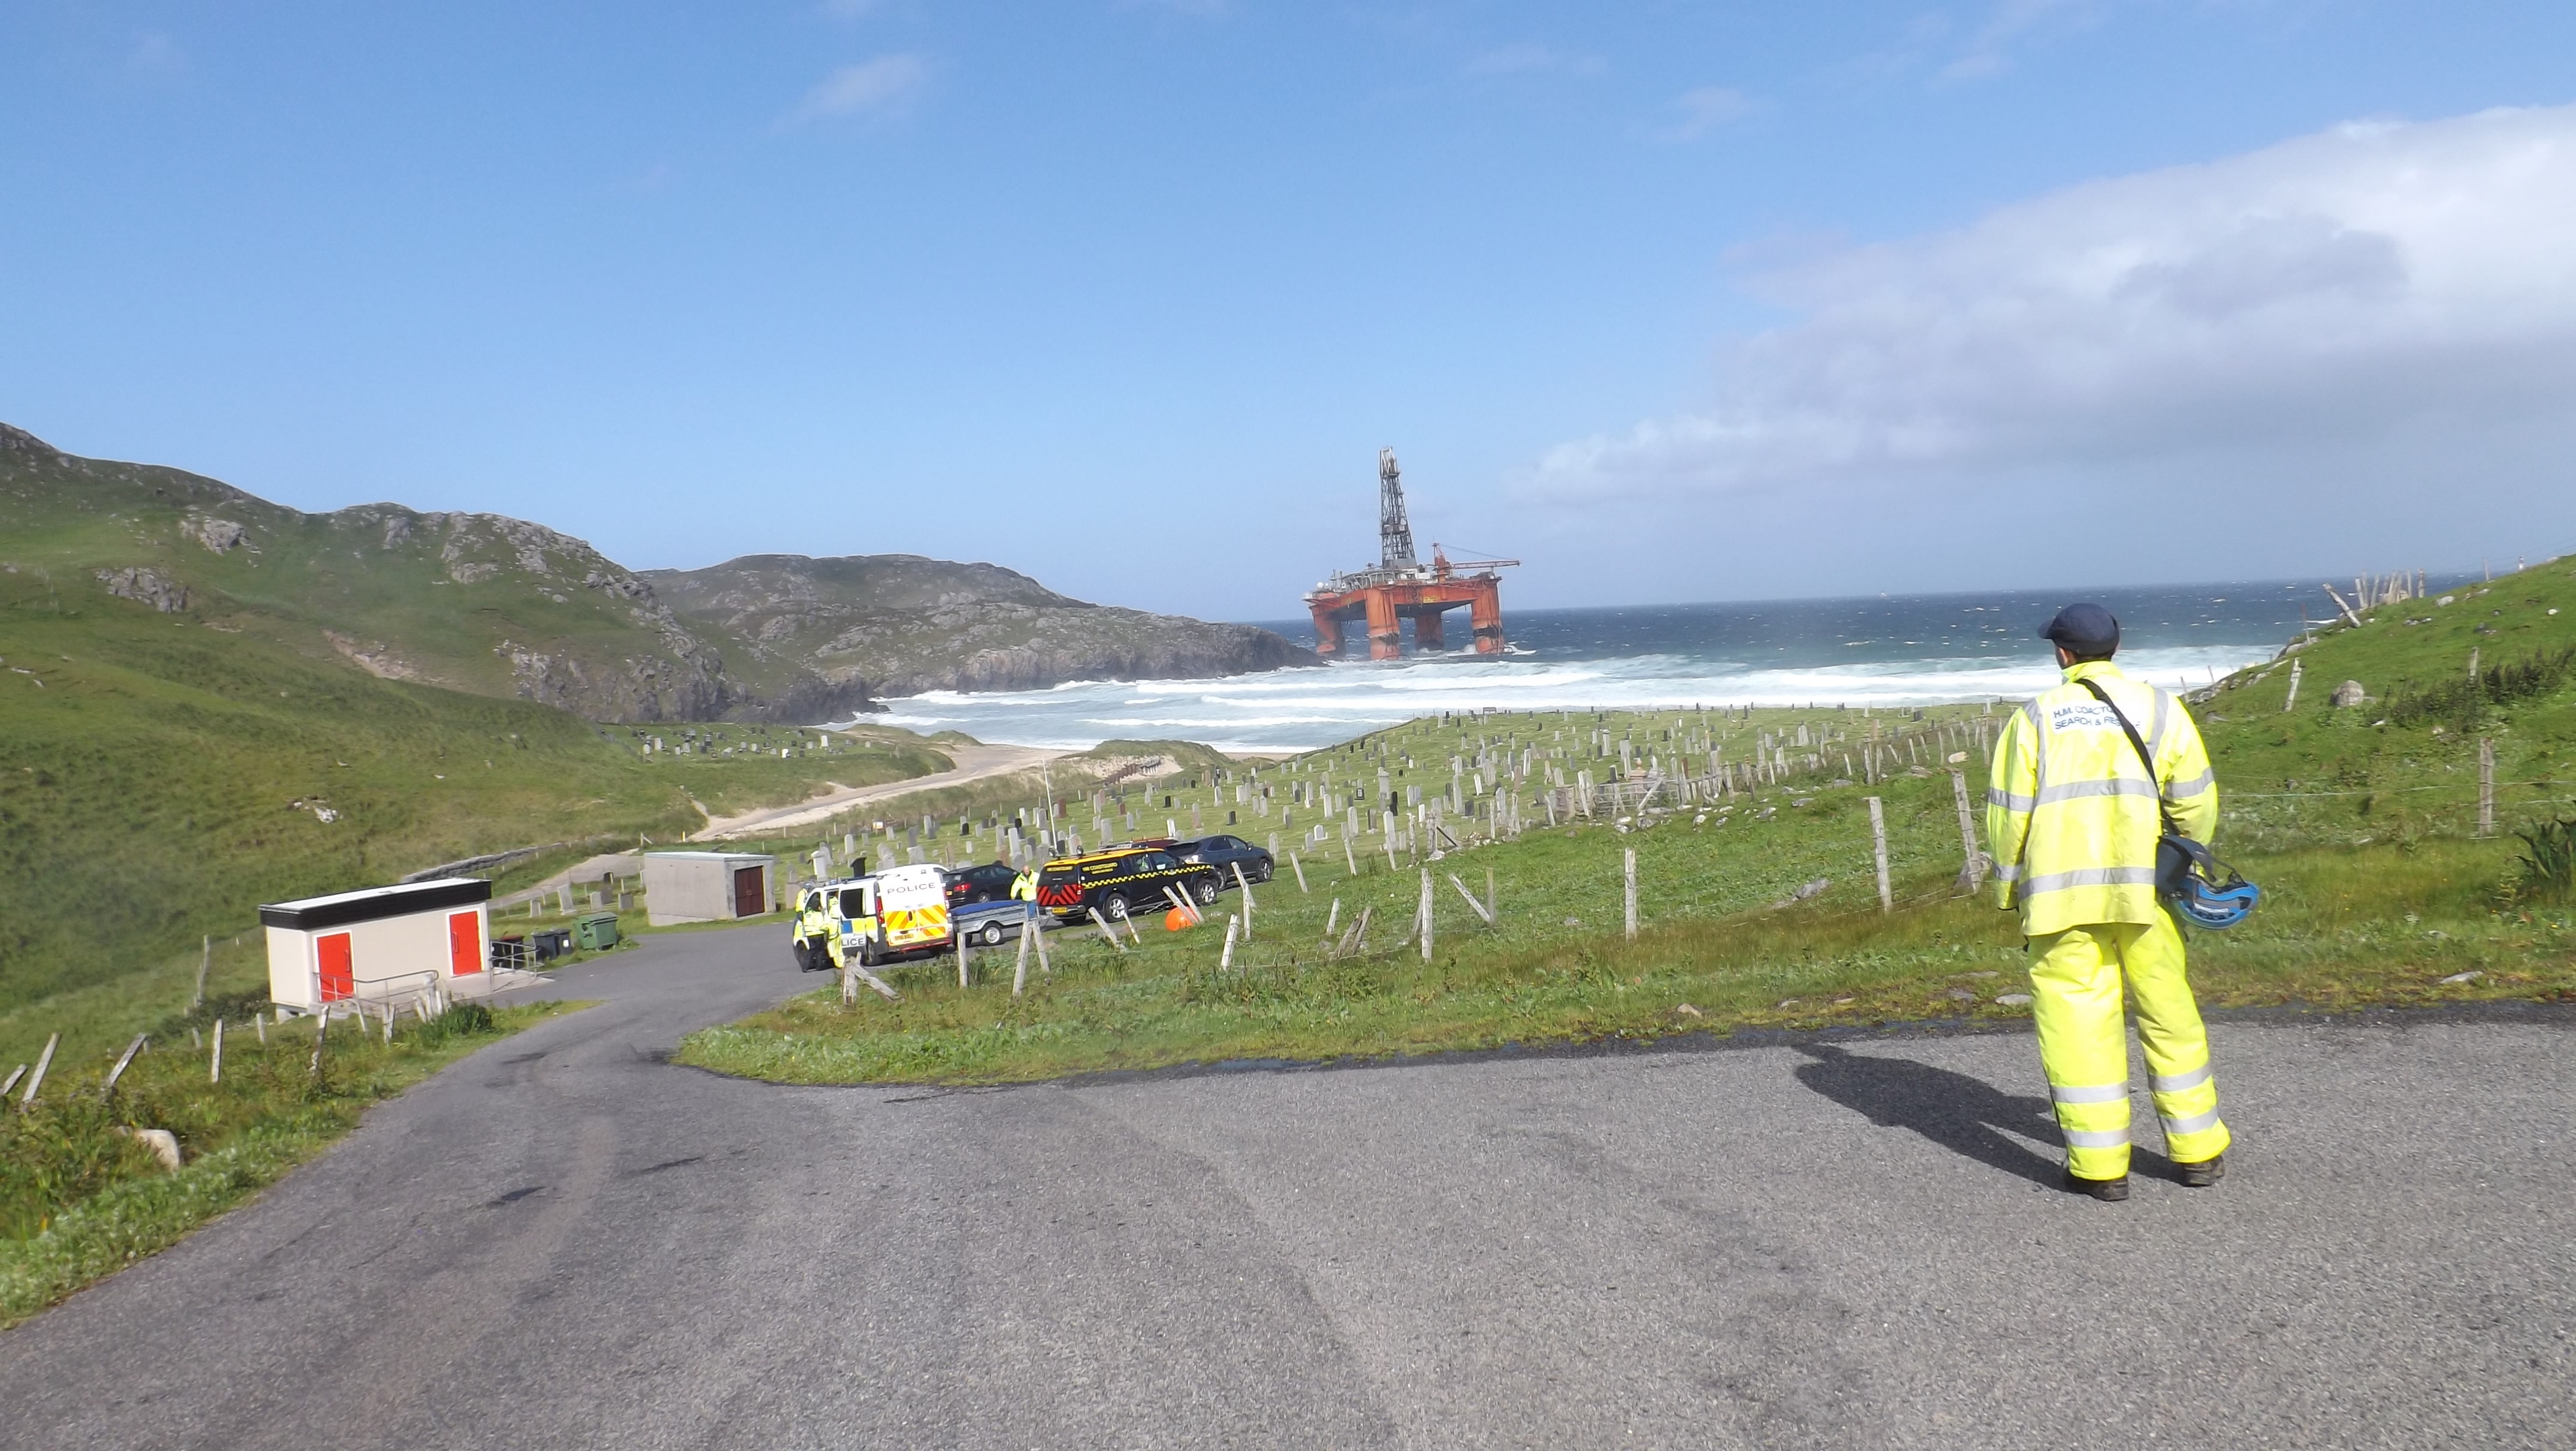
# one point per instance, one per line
(2178, 857)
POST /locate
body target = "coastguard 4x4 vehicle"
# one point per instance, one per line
(1119, 880)
(898, 913)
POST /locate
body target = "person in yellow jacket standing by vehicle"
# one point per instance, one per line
(2074, 816)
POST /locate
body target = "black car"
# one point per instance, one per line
(1225, 853)
(990, 882)
(1118, 881)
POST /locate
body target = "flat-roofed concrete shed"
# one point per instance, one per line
(706, 886)
(379, 943)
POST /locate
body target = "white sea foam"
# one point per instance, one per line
(1301, 709)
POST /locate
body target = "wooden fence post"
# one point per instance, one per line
(1629, 879)
(205, 960)
(1473, 905)
(123, 1059)
(1422, 914)
(2292, 698)
(44, 1061)
(1225, 958)
(2486, 786)
(1244, 885)
(1300, 868)
(1100, 922)
(215, 1064)
(1972, 871)
(1020, 968)
(1878, 847)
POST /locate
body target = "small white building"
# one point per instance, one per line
(706, 886)
(383, 942)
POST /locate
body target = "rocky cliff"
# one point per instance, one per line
(900, 624)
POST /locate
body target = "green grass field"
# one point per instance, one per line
(163, 778)
(2359, 821)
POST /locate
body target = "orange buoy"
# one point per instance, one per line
(1176, 920)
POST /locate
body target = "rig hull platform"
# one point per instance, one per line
(1423, 602)
(1401, 588)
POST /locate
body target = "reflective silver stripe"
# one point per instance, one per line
(2038, 740)
(2090, 877)
(2072, 789)
(2095, 1093)
(2192, 787)
(2096, 1138)
(2156, 729)
(2008, 871)
(2008, 800)
(2180, 1081)
(2191, 1125)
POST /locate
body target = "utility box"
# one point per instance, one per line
(706, 886)
(596, 932)
(383, 942)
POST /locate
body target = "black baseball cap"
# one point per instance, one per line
(2083, 630)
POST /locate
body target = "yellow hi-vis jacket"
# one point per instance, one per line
(2070, 811)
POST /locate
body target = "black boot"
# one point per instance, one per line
(2109, 1191)
(2203, 1174)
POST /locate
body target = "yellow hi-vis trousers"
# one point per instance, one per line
(2075, 996)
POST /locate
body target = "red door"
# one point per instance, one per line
(465, 943)
(748, 899)
(337, 979)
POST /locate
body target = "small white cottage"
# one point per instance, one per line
(378, 943)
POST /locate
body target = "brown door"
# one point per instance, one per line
(748, 899)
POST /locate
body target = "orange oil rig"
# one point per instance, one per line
(1403, 588)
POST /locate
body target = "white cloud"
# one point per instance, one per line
(1528, 59)
(2302, 324)
(2012, 22)
(885, 86)
(1698, 112)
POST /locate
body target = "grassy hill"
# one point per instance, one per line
(164, 776)
(499, 606)
(2401, 766)
(900, 624)
(473, 602)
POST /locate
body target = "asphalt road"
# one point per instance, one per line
(566, 1242)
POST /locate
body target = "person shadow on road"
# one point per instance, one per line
(1967, 1116)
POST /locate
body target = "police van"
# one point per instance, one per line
(1119, 880)
(901, 912)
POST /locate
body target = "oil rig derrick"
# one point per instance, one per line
(1403, 588)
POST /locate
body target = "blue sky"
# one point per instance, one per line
(1675, 302)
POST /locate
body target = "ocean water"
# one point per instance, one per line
(1883, 650)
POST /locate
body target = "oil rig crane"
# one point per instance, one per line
(1403, 588)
